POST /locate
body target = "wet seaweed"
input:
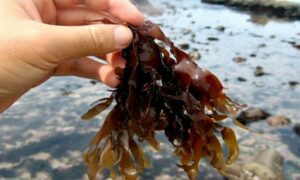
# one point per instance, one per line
(161, 89)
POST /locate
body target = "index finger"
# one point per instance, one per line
(122, 9)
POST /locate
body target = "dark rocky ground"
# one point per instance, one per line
(42, 136)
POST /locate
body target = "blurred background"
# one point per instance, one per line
(252, 46)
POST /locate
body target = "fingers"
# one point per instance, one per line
(65, 42)
(115, 60)
(122, 9)
(88, 68)
(77, 16)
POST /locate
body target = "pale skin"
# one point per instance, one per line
(44, 38)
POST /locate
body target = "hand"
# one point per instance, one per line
(44, 38)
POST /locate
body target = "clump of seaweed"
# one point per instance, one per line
(161, 90)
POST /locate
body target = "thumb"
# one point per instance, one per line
(68, 42)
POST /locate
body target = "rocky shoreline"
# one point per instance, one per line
(279, 9)
(42, 136)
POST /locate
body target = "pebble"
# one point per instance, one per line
(252, 115)
(297, 46)
(267, 164)
(93, 82)
(212, 39)
(220, 28)
(186, 31)
(297, 129)
(239, 60)
(293, 83)
(277, 121)
(241, 79)
(184, 46)
(195, 55)
(259, 71)
(70, 94)
(262, 45)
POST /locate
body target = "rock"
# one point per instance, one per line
(220, 28)
(146, 7)
(297, 46)
(293, 83)
(255, 35)
(70, 94)
(195, 55)
(262, 45)
(239, 60)
(252, 115)
(241, 79)
(269, 158)
(267, 164)
(277, 121)
(264, 8)
(252, 55)
(258, 171)
(259, 71)
(297, 129)
(186, 31)
(184, 46)
(233, 171)
(93, 82)
(212, 39)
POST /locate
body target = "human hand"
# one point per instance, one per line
(44, 38)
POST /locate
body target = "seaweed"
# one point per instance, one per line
(161, 89)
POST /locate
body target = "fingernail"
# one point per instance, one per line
(123, 36)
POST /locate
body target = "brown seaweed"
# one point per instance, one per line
(161, 89)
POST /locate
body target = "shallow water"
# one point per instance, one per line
(42, 136)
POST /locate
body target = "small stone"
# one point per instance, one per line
(239, 60)
(259, 71)
(293, 83)
(252, 115)
(220, 28)
(195, 55)
(252, 55)
(297, 46)
(277, 121)
(241, 79)
(267, 164)
(186, 31)
(93, 82)
(212, 39)
(184, 46)
(233, 171)
(262, 45)
(272, 36)
(297, 129)
(70, 94)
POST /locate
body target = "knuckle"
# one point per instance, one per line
(75, 68)
(99, 38)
